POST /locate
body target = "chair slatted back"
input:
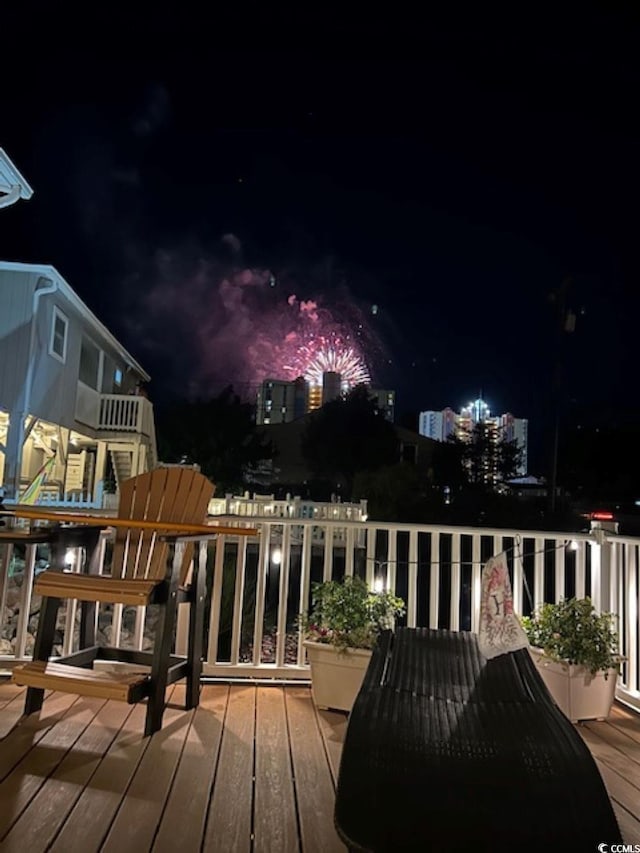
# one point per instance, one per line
(165, 495)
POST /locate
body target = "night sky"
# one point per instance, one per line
(427, 185)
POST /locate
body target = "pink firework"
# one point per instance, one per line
(321, 354)
(239, 325)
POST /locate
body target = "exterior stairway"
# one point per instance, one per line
(122, 462)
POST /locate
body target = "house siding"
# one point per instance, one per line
(55, 384)
(16, 300)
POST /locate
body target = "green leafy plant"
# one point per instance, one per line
(346, 614)
(574, 632)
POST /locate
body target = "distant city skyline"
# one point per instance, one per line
(282, 401)
(439, 425)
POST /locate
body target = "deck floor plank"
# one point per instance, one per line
(629, 825)
(191, 790)
(40, 821)
(23, 784)
(333, 726)
(617, 738)
(623, 793)
(29, 730)
(229, 821)
(10, 713)
(595, 736)
(89, 821)
(136, 823)
(8, 692)
(626, 720)
(315, 790)
(275, 821)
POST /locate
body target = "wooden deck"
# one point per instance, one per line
(253, 768)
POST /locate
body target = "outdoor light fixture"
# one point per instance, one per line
(378, 585)
(276, 556)
(601, 515)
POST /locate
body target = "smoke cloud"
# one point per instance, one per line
(201, 322)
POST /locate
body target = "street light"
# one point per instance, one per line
(565, 324)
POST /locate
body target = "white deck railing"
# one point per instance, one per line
(258, 588)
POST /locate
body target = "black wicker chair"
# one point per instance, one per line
(446, 751)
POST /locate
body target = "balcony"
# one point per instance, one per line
(258, 589)
(126, 413)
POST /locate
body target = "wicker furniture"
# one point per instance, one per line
(448, 751)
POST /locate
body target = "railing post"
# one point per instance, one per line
(601, 563)
(136, 414)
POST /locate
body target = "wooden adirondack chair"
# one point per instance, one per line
(150, 565)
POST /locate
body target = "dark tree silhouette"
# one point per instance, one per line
(347, 436)
(486, 458)
(394, 493)
(218, 434)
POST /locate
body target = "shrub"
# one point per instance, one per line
(573, 631)
(346, 614)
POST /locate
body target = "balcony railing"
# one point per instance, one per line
(258, 589)
(126, 413)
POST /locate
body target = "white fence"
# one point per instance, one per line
(268, 507)
(258, 588)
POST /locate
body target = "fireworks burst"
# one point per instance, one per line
(321, 355)
(240, 325)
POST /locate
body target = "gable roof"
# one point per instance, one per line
(10, 177)
(51, 272)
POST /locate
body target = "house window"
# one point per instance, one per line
(89, 363)
(59, 329)
(117, 377)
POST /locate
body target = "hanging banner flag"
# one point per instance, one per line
(32, 492)
(500, 629)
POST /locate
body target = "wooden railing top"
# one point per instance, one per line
(171, 528)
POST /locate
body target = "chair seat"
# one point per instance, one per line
(125, 687)
(96, 587)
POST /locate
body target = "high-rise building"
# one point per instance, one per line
(516, 429)
(281, 401)
(331, 386)
(386, 402)
(301, 398)
(276, 402)
(437, 425)
(440, 425)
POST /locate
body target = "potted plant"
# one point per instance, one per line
(576, 651)
(340, 631)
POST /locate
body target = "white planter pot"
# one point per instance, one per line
(336, 676)
(580, 695)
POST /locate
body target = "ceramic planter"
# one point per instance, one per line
(336, 676)
(579, 694)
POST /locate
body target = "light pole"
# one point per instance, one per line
(565, 324)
